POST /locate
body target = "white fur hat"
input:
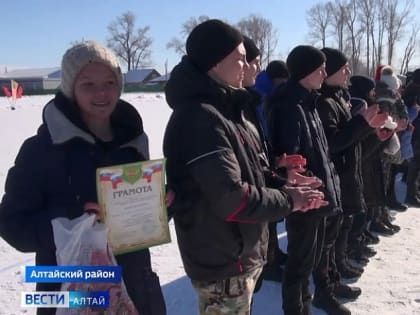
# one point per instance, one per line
(392, 81)
(79, 56)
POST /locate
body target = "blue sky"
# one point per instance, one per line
(35, 33)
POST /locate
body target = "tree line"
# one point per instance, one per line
(133, 44)
(367, 31)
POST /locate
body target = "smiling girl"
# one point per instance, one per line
(86, 126)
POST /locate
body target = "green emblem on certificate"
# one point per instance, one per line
(132, 174)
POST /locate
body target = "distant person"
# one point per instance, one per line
(389, 86)
(409, 152)
(275, 257)
(85, 126)
(266, 82)
(251, 72)
(222, 204)
(344, 134)
(362, 95)
(295, 128)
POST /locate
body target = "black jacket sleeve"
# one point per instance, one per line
(24, 221)
(370, 146)
(341, 135)
(275, 179)
(285, 130)
(213, 164)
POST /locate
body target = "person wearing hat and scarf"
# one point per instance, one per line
(362, 94)
(85, 126)
(275, 257)
(410, 140)
(295, 128)
(344, 134)
(222, 204)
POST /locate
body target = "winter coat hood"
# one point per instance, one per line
(187, 86)
(63, 123)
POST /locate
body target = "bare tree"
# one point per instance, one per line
(366, 13)
(355, 34)
(378, 33)
(318, 18)
(132, 45)
(410, 49)
(395, 22)
(338, 21)
(178, 44)
(262, 32)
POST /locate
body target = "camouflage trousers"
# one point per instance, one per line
(229, 296)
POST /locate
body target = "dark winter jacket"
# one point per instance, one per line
(295, 128)
(371, 147)
(344, 134)
(251, 114)
(222, 207)
(372, 170)
(416, 136)
(55, 175)
(274, 177)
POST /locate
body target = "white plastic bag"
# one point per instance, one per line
(83, 242)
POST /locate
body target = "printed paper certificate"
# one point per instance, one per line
(132, 202)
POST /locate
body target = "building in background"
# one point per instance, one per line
(33, 80)
(47, 80)
(139, 77)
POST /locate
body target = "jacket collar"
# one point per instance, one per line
(63, 130)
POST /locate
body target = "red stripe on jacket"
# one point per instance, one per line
(244, 202)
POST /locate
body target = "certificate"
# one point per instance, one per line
(132, 202)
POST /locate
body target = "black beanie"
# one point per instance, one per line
(411, 94)
(303, 60)
(360, 86)
(416, 76)
(210, 42)
(252, 50)
(277, 69)
(335, 60)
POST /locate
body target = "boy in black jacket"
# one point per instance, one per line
(344, 134)
(295, 128)
(222, 203)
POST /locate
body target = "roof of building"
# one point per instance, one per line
(162, 78)
(138, 75)
(53, 72)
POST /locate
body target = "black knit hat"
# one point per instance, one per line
(411, 94)
(335, 60)
(303, 60)
(277, 69)
(360, 86)
(252, 50)
(210, 42)
(416, 76)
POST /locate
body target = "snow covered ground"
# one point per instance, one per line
(390, 283)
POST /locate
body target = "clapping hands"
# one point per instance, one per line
(305, 198)
(373, 116)
(302, 189)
